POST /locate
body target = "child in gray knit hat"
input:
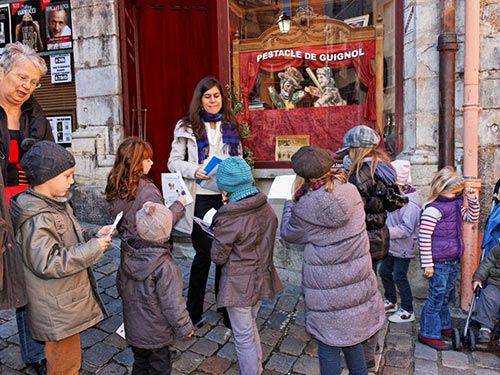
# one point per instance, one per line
(244, 233)
(63, 299)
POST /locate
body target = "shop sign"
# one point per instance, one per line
(60, 68)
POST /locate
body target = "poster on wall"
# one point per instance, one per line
(58, 20)
(5, 36)
(60, 68)
(287, 145)
(61, 128)
(26, 25)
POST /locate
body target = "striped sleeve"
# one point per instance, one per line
(428, 222)
(471, 213)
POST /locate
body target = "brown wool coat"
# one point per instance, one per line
(245, 232)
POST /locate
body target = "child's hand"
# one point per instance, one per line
(225, 197)
(104, 231)
(104, 242)
(428, 272)
(182, 199)
(471, 194)
(477, 283)
(190, 334)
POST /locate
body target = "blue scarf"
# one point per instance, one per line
(230, 136)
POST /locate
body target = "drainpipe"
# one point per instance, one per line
(470, 258)
(447, 47)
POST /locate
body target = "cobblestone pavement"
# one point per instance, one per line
(286, 346)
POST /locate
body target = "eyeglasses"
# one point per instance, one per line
(34, 84)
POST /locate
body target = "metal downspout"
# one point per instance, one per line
(471, 108)
(447, 47)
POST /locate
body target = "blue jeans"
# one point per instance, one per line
(329, 359)
(393, 272)
(31, 351)
(435, 314)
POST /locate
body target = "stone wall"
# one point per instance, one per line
(99, 102)
(421, 100)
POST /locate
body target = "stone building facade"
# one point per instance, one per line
(100, 103)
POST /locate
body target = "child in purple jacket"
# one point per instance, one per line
(441, 247)
(402, 224)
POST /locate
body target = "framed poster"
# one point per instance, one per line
(57, 16)
(26, 17)
(360, 21)
(62, 127)
(287, 145)
(5, 35)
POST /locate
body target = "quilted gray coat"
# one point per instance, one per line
(343, 304)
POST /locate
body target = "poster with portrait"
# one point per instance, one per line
(57, 16)
(5, 36)
(61, 128)
(26, 25)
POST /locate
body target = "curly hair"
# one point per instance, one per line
(193, 119)
(127, 171)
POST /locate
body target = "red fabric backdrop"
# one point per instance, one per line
(325, 125)
(249, 69)
(178, 47)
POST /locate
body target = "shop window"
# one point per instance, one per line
(319, 79)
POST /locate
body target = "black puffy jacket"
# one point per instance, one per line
(32, 124)
(377, 199)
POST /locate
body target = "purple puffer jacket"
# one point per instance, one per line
(342, 302)
(403, 227)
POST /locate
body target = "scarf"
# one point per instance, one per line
(305, 188)
(230, 136)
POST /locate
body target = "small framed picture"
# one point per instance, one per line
(359, 21)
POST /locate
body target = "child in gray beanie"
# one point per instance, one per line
(63, 299)
(244, 234)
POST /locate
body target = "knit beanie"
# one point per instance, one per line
(312, 161)
(44, 160)
(402, 168)
(154, 222)
(235, 176)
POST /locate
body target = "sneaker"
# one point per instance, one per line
(389, 306)
(484, 336)
(402, 316)
(446, 332)
(434, 343)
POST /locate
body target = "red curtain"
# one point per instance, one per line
(175, 53)
(249, 68)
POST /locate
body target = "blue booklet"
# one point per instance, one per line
(210, 169)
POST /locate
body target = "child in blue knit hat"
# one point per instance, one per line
(244, 233)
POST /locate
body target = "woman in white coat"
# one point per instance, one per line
(210, 129)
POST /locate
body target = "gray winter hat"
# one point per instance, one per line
(312, 161)
(45, 160)
(359, 136)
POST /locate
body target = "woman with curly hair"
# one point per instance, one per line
(209, 129)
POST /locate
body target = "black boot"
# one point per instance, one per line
(39, 367)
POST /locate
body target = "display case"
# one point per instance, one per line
(309, 85)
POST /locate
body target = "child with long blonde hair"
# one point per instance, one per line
(148, 280)
(441, 247)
